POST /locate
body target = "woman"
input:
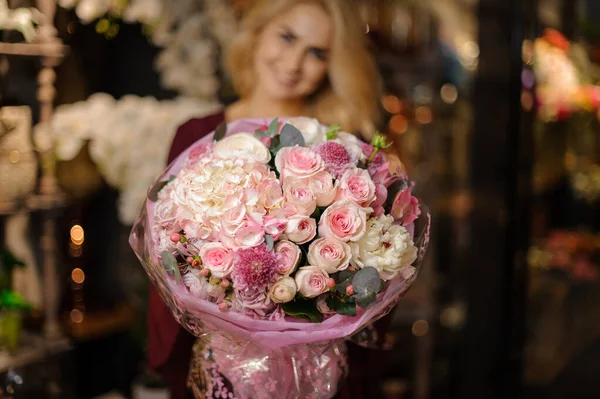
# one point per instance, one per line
(290, 58)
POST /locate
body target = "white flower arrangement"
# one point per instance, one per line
(129, 139)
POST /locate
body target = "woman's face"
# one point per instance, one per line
(292, 53)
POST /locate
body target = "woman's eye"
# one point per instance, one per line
(318, 54)
(288, 37)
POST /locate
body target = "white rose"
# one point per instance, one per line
(242, 145)
(352, 145)
(216, 291)
(197, 284)
(312, 131)
(283, 290)
(330, 254)
(311, 281)
(384, 246)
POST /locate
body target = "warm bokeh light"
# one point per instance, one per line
(420, 328)
(78, 276)
(398, 124)
(423, 115)
(77, 235)
(526, 100)
(76, 316)
(391, 104)
(449, 93)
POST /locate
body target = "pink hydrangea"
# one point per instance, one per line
(199, 152)
(337, 159)
(254, 267)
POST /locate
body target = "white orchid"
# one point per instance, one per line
(129, 139)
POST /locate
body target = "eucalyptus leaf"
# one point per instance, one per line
(269, 241)
(170, 265)
(275, 145)
(290, 136)
(365, 300)
(345, 308)
(153, 192)
(273, 128)
(345, 275)
(260, 133)
(367, 281)
(304, 309)
(220, 131)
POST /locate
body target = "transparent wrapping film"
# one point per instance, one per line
(237, 356)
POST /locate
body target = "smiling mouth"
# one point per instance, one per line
(287, 82)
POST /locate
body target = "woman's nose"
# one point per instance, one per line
(292, 60)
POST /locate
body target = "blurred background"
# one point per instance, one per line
(492, 104)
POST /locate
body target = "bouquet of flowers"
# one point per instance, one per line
(274, 241)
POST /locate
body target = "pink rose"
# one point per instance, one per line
(301, 229)
(311, 281)
(289, 254)
(323, 187)
(217, 258)
(344, 220)
(356, 186)
(330, 254)
(299, 198)
(405, 207)
(298, 161)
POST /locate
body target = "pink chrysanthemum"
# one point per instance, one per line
(254, 267)
(336, 157)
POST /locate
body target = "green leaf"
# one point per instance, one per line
(275, 145)
(153, 192)
(220, 131)
(343, 279)
(304, 309)
(345, 308)
(273, 128)
(332, 132)
(170, 265)
(345, 275)
(365, 300)
(290, 136)
(13, 300)
(269, 241)
(260, 133)
(367, 281)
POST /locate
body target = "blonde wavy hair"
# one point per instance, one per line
(350, 94)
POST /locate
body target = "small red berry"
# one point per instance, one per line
(330, 283)
(189, 260)
(196, 263)
(205, 272)
(223, 307)
(350, 290)
(175, 237)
